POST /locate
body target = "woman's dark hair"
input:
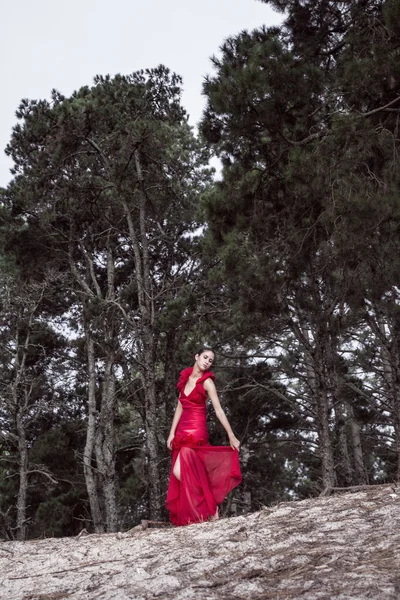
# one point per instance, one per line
(205, 349)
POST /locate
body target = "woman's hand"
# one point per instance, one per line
(234, 442)
(169, 441)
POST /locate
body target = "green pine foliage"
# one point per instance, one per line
(305, 219)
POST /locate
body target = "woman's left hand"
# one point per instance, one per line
(234, 442)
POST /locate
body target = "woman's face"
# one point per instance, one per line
(205, 359)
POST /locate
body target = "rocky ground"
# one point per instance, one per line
(342, 546)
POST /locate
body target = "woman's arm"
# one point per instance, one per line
(212, 392)
(175, 421)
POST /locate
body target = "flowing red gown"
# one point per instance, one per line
(208, 472)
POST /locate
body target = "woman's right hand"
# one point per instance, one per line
(234, 442)
(169, 441)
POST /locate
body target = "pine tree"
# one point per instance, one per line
(109, 180)
(301, 118)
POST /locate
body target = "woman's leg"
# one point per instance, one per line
(177, 467)
(216, 516)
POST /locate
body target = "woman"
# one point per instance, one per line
(201, 475)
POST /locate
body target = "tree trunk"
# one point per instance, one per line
(105, 446)
(318, 386)
(390, 361)
(140, 247)
(21, 408)
(360, 472)
(155, 500)
(397, 438)
(343, 469)
(89, 473)
(325, 443)
(23, 478)
(169, 392)
(105, 435)
(246, 491)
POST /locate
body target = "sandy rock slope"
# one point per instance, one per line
(342, 546)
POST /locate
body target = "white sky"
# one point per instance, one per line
(48, 44)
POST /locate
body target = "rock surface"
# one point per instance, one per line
(343, 546)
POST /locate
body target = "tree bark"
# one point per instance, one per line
(140, 246)
(105, 434)
(391, 374)
(325, 443)
(344, 469)
(21, 303)
(316, 378)
(20, 397)
(23, 477)
(88, 469)
(360, 472)
(148, 378)
(100, 435)
(105, 446)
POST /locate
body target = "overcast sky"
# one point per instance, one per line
(48, 44)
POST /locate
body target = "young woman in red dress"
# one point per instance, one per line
(201, 475)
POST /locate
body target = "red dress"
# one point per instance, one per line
(208, 473)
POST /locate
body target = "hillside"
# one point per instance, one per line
(342, 546)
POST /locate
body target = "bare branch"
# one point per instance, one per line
(372, 112)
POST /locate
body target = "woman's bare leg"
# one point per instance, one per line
(216, 516)
(177, 467)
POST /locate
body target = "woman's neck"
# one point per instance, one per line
(197, 372)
